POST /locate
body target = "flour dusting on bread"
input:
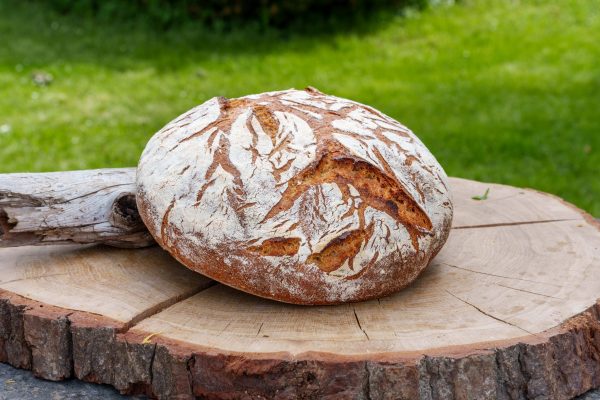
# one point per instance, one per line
(295, 195)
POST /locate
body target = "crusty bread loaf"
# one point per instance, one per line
(296, 196)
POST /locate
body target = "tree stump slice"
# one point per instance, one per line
(507, 310)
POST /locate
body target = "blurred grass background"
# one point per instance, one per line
(502, 91)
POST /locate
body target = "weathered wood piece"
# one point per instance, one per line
(508, 310)
(92, 206)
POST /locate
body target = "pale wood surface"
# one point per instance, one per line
(90, 206)
(505, 204)
(518, 268)
(116, 283)
(485, 285)
(521, 276)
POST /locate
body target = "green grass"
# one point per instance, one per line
(503, 91)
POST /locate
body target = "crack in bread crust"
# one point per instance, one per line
(376, 189)
(341, 249)
(277, 246)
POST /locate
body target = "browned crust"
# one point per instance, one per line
(342, 248)
(277, 246)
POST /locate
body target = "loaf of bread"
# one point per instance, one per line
(295, 196)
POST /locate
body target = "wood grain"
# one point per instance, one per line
(507, 310)
(114, 283)
(62, 307)
(472, 292)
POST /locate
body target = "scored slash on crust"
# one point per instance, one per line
(376, 190)
(379, 191)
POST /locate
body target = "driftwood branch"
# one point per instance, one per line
(93, 206)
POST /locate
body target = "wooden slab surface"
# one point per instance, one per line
(115, 283)
(508, 309)
(505, 204)
(475, 291)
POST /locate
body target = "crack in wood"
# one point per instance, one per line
(10, 199)
(157, 308)
(528, 291)
(260, 328)
(358, 323)
(225, 328)
(69, 334)
(88, 194)
(367, 384)
(151, 366)
(488, 314)
(6, 225)
(544, 221)
(498, 276)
